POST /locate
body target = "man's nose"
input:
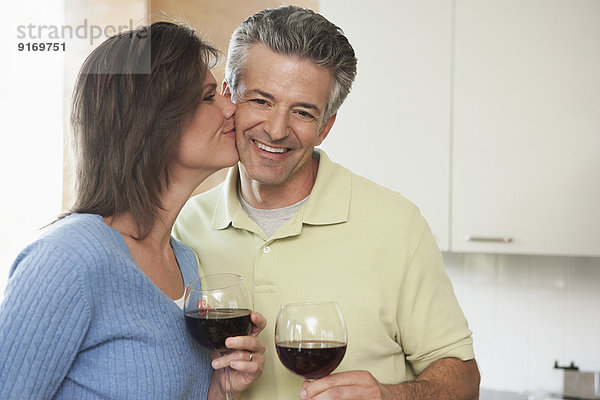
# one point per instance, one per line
(276, 125)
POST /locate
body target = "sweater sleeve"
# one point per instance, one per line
(43, 320)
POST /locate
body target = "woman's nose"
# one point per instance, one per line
(228, 107)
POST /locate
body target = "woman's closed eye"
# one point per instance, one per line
(209, 98)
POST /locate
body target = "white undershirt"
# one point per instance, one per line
(180, 301)
(271, 220)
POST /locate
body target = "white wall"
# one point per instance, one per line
(526, 312)
(31, 100)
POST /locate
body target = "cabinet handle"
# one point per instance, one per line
(496, 239)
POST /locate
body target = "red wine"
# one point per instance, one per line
(210, 328)
(312, 359)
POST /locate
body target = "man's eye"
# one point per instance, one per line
(305, 114)
(261, 102)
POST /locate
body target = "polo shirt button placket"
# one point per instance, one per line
(265, 267)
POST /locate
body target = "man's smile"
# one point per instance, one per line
(277, 150)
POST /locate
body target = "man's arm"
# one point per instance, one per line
(445, 379)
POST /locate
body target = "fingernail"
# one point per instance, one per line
(215, 364)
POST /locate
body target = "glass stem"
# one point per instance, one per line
(229, 395)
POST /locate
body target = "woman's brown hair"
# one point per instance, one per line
(133, 97)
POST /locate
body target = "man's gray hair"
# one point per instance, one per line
(295, 31)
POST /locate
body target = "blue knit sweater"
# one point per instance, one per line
(80, 320)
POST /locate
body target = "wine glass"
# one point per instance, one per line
(310, 338)
(216, 307)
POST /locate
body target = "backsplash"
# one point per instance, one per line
(526, 312)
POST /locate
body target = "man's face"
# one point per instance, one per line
(280, 117)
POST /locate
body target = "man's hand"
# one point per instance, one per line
(246, 361)
(346, 385)
(445, 379)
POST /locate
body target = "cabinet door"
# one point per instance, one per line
(526, 135)
(393, 128)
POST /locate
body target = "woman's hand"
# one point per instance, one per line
(246, 361)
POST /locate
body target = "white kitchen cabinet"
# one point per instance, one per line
(393, 127)
(526, 127)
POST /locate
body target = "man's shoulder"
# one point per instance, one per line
(197, 213)
(365, 191)
(203, 202)
(362, 188)
(369, 200)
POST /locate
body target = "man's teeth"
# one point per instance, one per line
(270, 149)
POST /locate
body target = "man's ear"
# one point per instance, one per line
(225, 91)
(326, 128)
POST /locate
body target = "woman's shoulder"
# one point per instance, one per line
(77, 240)
(83, 231)
(75, 224)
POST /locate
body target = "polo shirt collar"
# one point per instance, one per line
(228, 207)
(328, 203)
(329, 199)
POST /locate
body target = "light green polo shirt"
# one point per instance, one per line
(353, 242)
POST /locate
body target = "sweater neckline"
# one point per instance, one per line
(120, 243)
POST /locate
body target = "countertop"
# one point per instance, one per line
(487, 394)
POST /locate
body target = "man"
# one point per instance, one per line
(300, 228)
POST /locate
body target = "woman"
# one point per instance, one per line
(91, 309)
